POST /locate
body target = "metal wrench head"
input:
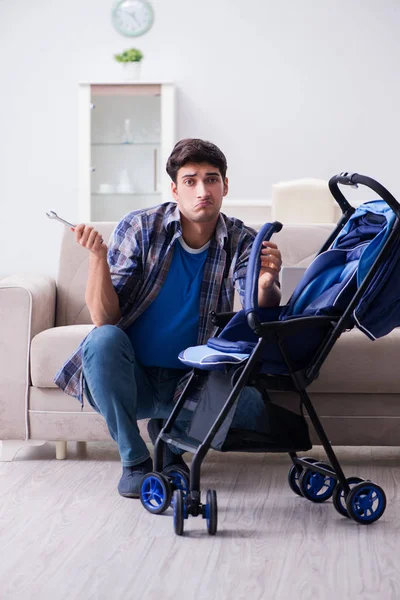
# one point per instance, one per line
(53, 215)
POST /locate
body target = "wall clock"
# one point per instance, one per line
(132, 17)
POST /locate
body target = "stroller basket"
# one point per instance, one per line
(286, 430)
(350, 283)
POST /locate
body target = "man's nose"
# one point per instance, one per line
(202, 190)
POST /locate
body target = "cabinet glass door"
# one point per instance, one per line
(125, 148)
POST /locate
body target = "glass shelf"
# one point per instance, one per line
(125, 143)
(126, 194)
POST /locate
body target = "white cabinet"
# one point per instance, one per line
(126, 133)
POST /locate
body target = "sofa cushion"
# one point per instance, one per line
(355, 364)
(51, 348)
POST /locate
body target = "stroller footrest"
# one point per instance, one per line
(179, 443)
(206, 358)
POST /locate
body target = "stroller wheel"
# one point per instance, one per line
(210, 512)
(338, 497)
(293, 476)
(366, 502)
(155, 493)
(178, 477)
(315, 486)
(179, 510)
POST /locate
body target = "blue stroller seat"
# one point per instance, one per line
(327, 287)
(349, 283)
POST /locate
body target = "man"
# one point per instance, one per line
(150, 294)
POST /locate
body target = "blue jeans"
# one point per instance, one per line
(123, 391)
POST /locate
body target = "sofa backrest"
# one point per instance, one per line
(298, 244)
(72, 277)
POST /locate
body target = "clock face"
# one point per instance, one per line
(132, 17)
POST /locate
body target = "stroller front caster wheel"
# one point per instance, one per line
(155, 493)
(338, 497)
(366, 502)
(210, 512)
(179, 511)
(293, 476)
(315, 486)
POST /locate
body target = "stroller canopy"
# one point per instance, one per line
(334, 276)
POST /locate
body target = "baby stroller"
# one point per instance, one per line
(351, 282)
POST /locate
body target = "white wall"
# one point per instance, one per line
(287, 89)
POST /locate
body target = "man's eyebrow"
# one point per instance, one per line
(194, 174)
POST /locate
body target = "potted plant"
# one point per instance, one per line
(130, 60)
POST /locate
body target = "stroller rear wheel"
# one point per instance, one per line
(155, 493)
(210, 512)
(366, 502)
(179, 511)
(293, 475)
(315, 486)
(338, 498)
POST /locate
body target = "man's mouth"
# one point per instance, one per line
(203, 204)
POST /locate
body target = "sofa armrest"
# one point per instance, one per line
(27, 307)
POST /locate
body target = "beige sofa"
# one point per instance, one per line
(42, 321)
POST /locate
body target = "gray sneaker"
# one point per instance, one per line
(129, 484)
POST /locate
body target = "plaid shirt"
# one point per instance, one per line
(139, 256)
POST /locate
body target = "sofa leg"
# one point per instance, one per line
(81, 447)
(9, 449)
(61, 450)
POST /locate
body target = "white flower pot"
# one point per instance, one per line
(131, 70)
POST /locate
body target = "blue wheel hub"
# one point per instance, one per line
(207, 513)
(319, 486)
(153, 493)
(367, 502)
(179, 482)
(316, 483)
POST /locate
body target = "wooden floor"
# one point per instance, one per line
(65, 533)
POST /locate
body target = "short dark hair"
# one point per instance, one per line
(196, 151)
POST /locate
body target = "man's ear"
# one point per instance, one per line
(174, 190)
(226, 186)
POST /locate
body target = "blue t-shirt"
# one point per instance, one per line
(170, 323)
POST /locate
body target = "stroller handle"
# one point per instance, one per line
(253, 271)
(353, 179)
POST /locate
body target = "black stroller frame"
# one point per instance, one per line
(352, 497)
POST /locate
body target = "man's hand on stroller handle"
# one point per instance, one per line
(271, 262)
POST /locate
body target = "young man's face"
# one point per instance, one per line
(198, 191)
